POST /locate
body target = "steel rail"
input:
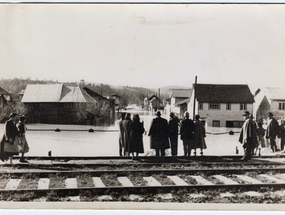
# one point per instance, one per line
(143, 171)
(204, 157)
(143, 189)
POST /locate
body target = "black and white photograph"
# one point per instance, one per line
(142, 106)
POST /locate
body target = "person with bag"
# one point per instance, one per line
(10, 140)
(23, 146)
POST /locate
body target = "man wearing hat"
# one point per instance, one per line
(247, 136)
(272, 131)
(173, 133)
(159, 132)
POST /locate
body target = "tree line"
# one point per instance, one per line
(128, 94)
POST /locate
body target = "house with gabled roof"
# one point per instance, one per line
(221, 105)
(178, 100)
(269, 99)
(54, 103)
(154, 103)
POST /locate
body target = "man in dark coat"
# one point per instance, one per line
(187, 134)
(121, 134)
(272, 131)
(247, 136)
(173, 133)
(159, 133)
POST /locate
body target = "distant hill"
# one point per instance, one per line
(129, 95)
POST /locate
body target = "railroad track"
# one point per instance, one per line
(121, 179)
(138, 182)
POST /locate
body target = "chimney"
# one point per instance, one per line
(82, 82)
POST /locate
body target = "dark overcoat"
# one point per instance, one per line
(121, 134)
(8, 148)
(187, 129)
(200, 134)
(10, 131)
(159, 133)
(272, 129)
(136, 141)
(173, 127)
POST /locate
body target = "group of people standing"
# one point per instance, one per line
(130, 139)
(252, 135)
(163, 135)
(14, 140)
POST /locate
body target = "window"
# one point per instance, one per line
(68, 105)
(282, 106)
(214, 106)
(216, 123)
(243, 107)
(200, 106)
(228, 106)
(35, 106)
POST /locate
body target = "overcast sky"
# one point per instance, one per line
(148, 45)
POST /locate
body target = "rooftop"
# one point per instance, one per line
(223, 93)
(54, 93)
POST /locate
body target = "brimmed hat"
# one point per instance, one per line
(22, 117)
(13, 115)
(246, 113)
(171, 114)
(158, 113)
(270, 114)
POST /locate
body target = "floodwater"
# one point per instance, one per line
(75, 140)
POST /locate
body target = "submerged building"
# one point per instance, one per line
(55, 103)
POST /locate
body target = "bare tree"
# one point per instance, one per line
(91, 110)
(13, 107)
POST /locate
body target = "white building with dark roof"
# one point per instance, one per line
(269, 99)
(178, 98)
(221, 105)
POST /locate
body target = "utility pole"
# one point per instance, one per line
(158, 98)
(194, 103)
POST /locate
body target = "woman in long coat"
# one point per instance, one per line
(136, 132)
(126, 127)
(10, 140)
(24, 147)
(121, 134)
(199, 134)
(159, 133)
